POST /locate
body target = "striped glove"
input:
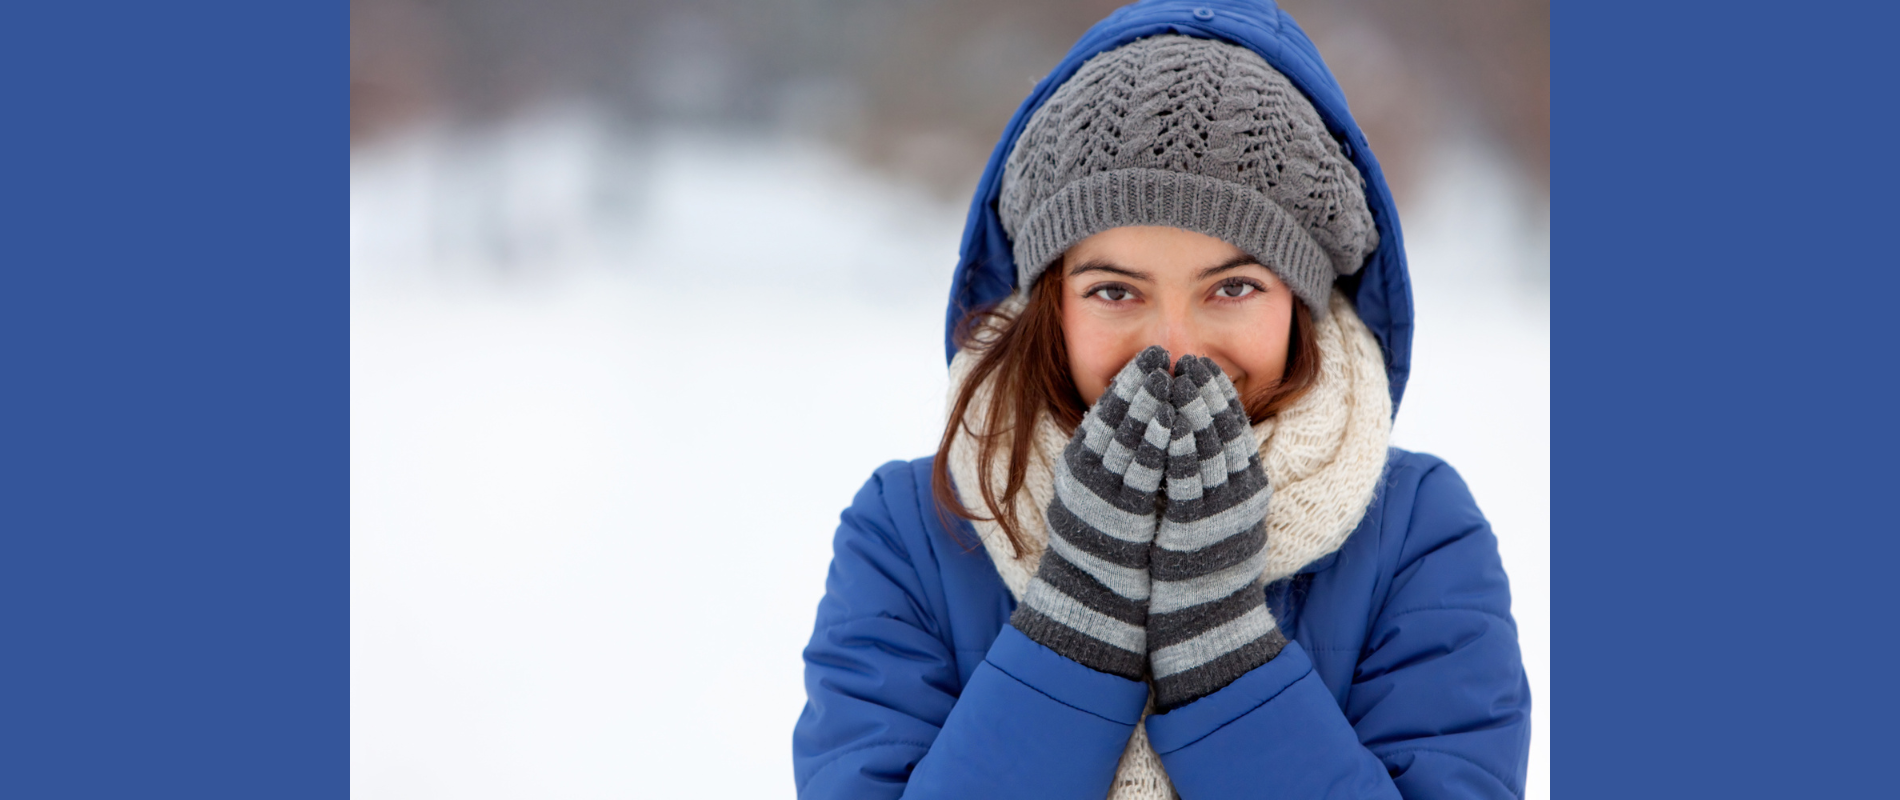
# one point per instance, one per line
(1089, 598)
(1208, 622)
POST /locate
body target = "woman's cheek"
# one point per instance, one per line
(1093, 377)
(1092, 362)
(1105, 372)
(1257, 349)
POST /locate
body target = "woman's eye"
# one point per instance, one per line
(1235, 289)
(1113, 294)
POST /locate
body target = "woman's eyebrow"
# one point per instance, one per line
(1242, 260)
(1098, 265)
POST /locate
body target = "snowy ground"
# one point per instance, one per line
(565, 358)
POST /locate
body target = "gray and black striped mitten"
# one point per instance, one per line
(1208, 622)
(1089, 598)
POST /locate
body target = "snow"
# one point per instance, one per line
(607, 402)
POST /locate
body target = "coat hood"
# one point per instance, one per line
(1381, 292)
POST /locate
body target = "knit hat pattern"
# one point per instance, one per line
(1195, 134)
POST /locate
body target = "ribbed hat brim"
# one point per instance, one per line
(1231, 212)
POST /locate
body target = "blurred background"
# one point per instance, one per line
(567, 215)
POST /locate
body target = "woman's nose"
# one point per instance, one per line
(1180, 335)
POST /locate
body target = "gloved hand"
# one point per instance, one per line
(1089, 598)
(1208, 622)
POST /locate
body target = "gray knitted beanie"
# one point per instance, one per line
(1189, 133)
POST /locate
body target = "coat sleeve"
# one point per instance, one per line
(885, 717)
(1439, 706)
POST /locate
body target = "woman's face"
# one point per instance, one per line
(1127, 288)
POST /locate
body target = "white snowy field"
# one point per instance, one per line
(605, 412)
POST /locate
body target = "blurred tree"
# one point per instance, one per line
(918, 87)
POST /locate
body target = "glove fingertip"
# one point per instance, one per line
(1203, 370)
(1154, 358)
(1182, 389)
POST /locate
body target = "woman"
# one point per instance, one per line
(1164, 547)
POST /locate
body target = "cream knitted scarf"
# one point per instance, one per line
(1323, 456)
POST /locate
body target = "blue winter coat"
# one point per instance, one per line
(1402, 676)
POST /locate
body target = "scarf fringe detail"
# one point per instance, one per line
(1324, 457)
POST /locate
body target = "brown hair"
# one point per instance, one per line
(1030, 361)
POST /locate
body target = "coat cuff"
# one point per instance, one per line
(1030, 723)
(1276, 726)
(1066, 681)
(1193, 722)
